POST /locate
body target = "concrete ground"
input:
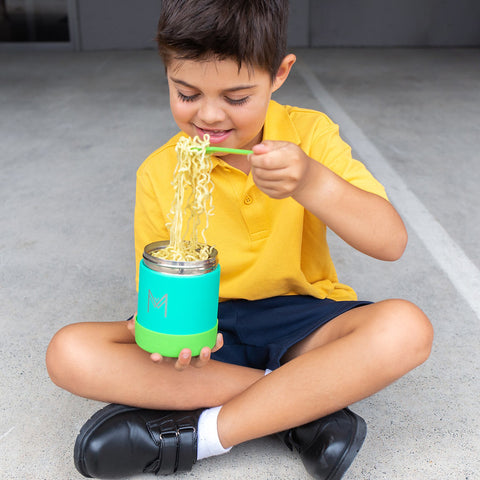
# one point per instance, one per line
(75, 127)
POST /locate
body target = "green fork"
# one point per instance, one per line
(237, 151)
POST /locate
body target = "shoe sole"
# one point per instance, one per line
(90, 425)
(352, 449)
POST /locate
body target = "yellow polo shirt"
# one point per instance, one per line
(266, 247)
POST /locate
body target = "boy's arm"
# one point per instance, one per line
(364, 220)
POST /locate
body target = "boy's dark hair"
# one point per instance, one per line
(252, 32)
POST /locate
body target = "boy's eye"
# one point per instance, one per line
(240, 101)
(186, 98)
(231, 101)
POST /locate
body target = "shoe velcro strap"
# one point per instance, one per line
(177, 445)
(187, 451)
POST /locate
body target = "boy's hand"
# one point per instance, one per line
(185, 359)
(279, 169)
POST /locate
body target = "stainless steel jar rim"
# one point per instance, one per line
(158, 264)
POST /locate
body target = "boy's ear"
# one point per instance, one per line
(283, 71)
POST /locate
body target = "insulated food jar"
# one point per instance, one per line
(177, 303)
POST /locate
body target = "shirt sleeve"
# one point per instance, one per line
(330, 150)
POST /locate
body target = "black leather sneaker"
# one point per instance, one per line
(328, 446)
(119, 441)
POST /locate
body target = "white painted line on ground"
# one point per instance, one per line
(6, 433)
(461, 271)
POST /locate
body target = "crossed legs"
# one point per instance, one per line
(350, 358)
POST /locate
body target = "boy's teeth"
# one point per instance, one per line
(215, 135)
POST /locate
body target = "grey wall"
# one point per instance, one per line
(117, 24)
(394, 23)
(298, 25)
(120, 24)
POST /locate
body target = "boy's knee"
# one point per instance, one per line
(417, 331)
(60, 353)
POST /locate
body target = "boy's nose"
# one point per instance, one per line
(209, 113)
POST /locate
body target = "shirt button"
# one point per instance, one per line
(248, 200)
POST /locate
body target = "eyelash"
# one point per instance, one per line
(186, 98)
(238, 102)
(192, 98)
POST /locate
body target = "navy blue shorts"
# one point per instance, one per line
(258, 333)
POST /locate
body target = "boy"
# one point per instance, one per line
(292, 353)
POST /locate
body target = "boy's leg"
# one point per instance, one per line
(101, 361)
(350, 358)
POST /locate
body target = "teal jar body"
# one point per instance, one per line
(177, 304)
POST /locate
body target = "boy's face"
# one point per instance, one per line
(214, 97)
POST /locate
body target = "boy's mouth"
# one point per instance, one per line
(216, 136)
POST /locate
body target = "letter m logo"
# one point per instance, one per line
(157, 303)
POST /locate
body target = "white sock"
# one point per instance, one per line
(208, 443)
(267, 371)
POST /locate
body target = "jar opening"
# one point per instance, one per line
(159, 264)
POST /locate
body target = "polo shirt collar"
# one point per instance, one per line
(278, 125)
